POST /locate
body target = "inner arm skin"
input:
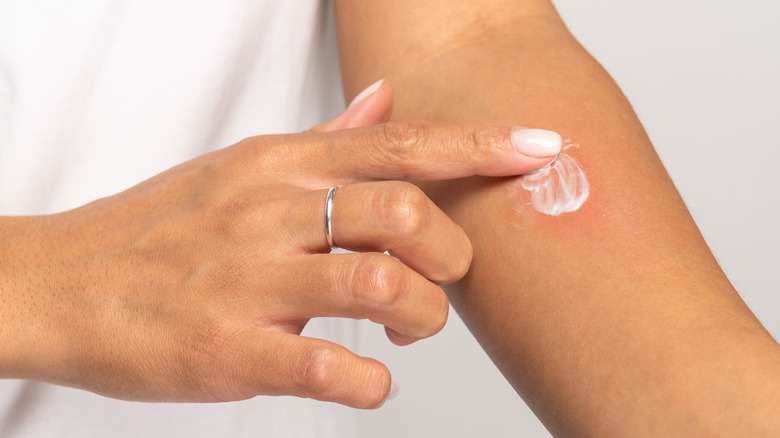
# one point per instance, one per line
(614, 320)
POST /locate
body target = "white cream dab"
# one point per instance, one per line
(560, 187)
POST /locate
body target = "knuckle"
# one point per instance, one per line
(239, 212)
(263, 152)
(230, 277)
(487, 142)
(251, 148)
(233, 216)
(402, 139)
(234, 208)
(319, 371)
(204, 347)
(406, 208)
(381, 282)
(246, 145)
(211, 339)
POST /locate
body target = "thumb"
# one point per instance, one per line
(371, 107)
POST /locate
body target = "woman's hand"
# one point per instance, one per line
(195, 284)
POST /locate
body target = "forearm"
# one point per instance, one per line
(614, 319)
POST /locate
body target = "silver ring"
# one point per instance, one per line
(329, 216)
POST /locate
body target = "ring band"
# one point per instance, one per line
(329, 216)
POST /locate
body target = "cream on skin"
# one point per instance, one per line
(561, 186)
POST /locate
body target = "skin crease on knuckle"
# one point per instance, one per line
(400, 142)
(319, 370)
(390, 284)
(486, 142)
(379, 282)
(213, 358)
(406, 209)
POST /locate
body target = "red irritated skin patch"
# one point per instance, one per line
(558, 188)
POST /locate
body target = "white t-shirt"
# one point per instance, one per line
(98, 95)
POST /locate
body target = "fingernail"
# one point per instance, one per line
(537, 142)
(394, 389)
(367, 92)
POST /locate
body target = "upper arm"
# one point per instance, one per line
(385, 38)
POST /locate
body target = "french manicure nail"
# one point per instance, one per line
(394, 389)
(537, 143)
(367, 92)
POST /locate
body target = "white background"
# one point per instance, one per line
(704, 76)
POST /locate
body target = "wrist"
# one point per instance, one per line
(24, 330)
(11, 351)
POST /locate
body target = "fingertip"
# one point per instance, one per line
(536, 143)
(366, 93)
(369, 109)
(380, 387)
(372, 106)
(395, 389)
(398, 338)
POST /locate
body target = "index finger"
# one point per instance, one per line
(424, 151)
